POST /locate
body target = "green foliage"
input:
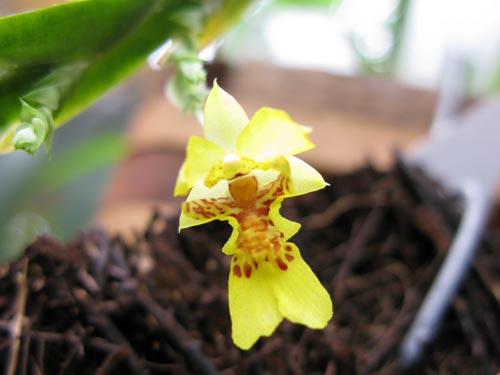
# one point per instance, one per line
(495, 79)
(309, 2)
(187, 88)
(386, 64)
(34, 44)
(59, 59)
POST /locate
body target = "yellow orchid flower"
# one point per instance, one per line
(240, 171)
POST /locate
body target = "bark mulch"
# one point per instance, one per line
(158, 305)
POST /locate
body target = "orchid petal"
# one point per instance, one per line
(260, 300)
(285, 226)
(206, 204)
(182, 184)
(272, 133)
(224, 119)
(252, 306)
(201, 155)
(303, 178)
(301, 297)
(230, 246)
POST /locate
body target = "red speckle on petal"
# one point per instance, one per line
(289, 257)
(237, 271)
(288, 248)
(248, 270)
(256, 265)
(268, 202)
(281, 264)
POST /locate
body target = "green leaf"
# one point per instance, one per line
(69, 31)
(108, 39)
(325, 3)
(128, 54)
(33, 43)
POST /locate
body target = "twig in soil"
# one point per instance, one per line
(17, 320)
(330, 368)
(110, 331)
(255, 361)
(118, 259)
(113, 334)
(179, 338)
(427, 191)
(343, 205)
(488, 282)
(24, 354)
(357, 248)
(470, 327)
(88, 282)
(483, 306)
(98, 250)
(151, 224)
(101, 344)
(297, 357)
(65, 365)
(114, 357)
(433, 225)
(41, 337)
(384, 345)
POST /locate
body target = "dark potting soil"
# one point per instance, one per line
(158, 305)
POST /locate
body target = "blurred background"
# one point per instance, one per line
(364, 74)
